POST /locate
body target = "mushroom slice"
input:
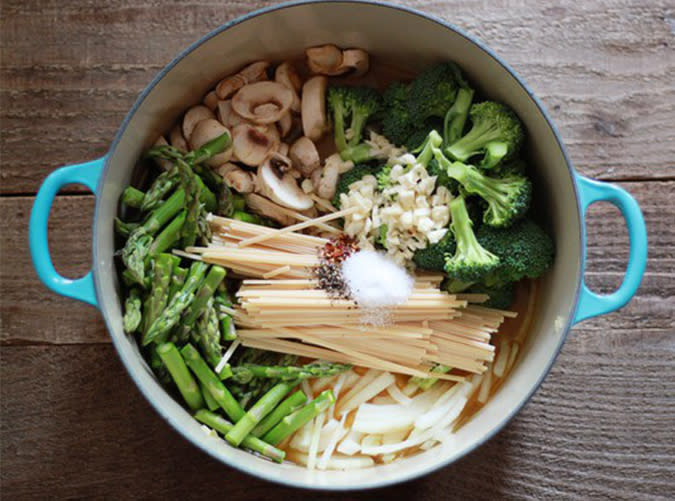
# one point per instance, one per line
(356, 60)
(314, 121)
(263, 102)
(254, 72)
(304, 155)
(205, 131)
(327, 181)
(211, 100)
(253, 143)
(281, 188)
(177, 139)
(239, 179)
(325, 60)
(193, 116)
(163, 163)
(222, 170)
(286, 75)
(227, 116)
(283, 149)
(266, 208)
(285, 123)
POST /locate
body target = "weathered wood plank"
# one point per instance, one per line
(91, 434)
(27, 302)
(602, 68)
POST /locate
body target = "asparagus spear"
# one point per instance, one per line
(240, 215)
(124, 229)
(132, 311)
(245, 372)
(238, 202)
(181, 375)
(170, 316)
(218, 390)
(219, 424)
(130, 281)
(132, 197)
(227, 328)
(169, 236)
(258, 411)
(291, 404)
(207, 335)
(159, 293)
(158, 366)
(162, 185)
(206, 196)
(188, 181)
(213, 279)
(211, 404)
(299, 418)
(210, 149)
(177, 280)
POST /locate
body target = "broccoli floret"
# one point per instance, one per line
(455, 118)
(434, 91)
(497, 133)
(356, 105)
(432, 257)
(508, 198)
(397, 126)
(524, 250)
(516, 166)
(500, 297)
(357, 173)
(471, 262)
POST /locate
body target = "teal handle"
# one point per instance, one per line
(591, 304)
(88, 175)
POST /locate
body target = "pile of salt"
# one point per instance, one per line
(376, 282)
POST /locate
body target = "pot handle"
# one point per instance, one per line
(591, 304)
(87, 174)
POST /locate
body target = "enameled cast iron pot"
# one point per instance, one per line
(415, 39)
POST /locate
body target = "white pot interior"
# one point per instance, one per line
(275, 35)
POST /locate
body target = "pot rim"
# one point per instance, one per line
(370, 484)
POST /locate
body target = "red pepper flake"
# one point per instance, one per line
(329, 272)
(338, 249)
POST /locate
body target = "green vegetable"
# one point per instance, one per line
(188, 181)
(433, 91)
(508, 198)
(133, 197)
(181, 376)
(209, 379)
(207, 335)
(211, 404)
(355, 174)
(496, 133)
(455, 118)
(210, 149)
(238, 202)
(258, 411)
(198, 306)
(246, 372)
(524, 250)
(219, 424)
(159, 293)
(299, 418)
(177, 279)
(124, 229)
(159, 188)
(432, 257)
(246, 217)
(500, 297)
(471, 262)
(291, 404)
(170, 316)
(169, 236)
(397, 125)
(132, 312)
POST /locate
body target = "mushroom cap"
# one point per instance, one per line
(283, 149)
(314, 121)
(324, 60)
(193, 116)
(211, 100)
(304, 155)
(357, 60)
(253, 143)
(327, 182)
(262, 102)
(281, 188)
(285, 124)
(265, 207)
(241, 180)
(254, 72)
(287, 75)
(177, 139)
(205, 131)
(227, 116)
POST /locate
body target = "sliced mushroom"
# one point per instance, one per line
(162, 162)
(262, 102)
(285, 124)
(356, 60)
(325, 183)
(240, 179)
(193, 116)
(286, 75)
(177, 139)
(283, 149)
(281, 188)
(279, 161)
(253, 143)
(307, 186)
(314, 121)
(305, 156)
(222, 170)
(325, 60)
(205, 131)
(227, 115)
(264, 207)
(211, 100)
(254, 72)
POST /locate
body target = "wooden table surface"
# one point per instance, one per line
(74, 425)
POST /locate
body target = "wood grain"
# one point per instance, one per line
(91, 434)
(604, 70)
(73, 425)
